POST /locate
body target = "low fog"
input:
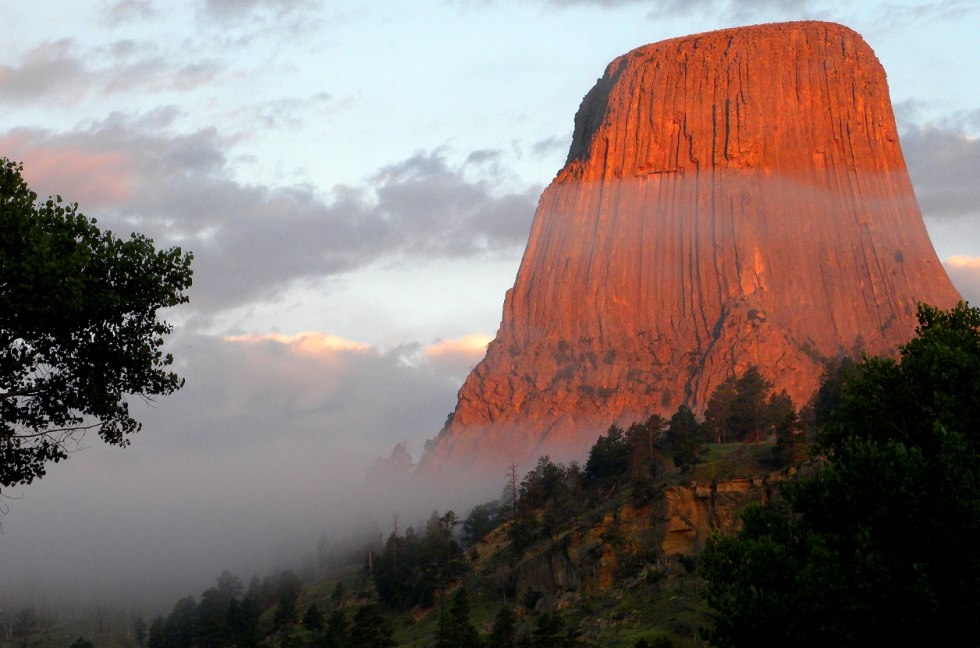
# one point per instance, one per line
(264, 450)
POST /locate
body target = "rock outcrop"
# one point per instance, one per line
(730, 199)
(590, 558)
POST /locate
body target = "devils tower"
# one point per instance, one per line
(730, 199)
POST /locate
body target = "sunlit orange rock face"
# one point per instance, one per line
(730, 199)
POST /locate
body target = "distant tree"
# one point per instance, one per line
(546, 483)
(455, 629)
(337, 596)
(828, 395)
(313, 619)
(243, 621)
(213, 628)
(745, 409)
(879, 547)
(749, 415)
(139, 631)
(371, 629)
(719, 410)
(482, 519)
(79, 333)
(503, 634)
(645, 442)
(337, 631)
(685, 438)
(550, 632)
(157, 637)
(786, 424)
(82, 642)
(609, 457)
(289, 590)
(180, 628)
(411, 567)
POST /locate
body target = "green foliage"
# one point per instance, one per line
(337, 596)
(550, 632)
(685, 438)
(788, 427)
(82, 642)
(371, 629)
(180, 628)
(79, 332)
(412, 568)
(483, 519)
(455, 629)
(157, 636)
(546, 496)
(313, 619)
(213, 630)
(290, 587)
(879, 548)
(609, 457)
(745, 409)
(503, 634)
(243, 621)
(337, 631)
(140, 631)
(646, 448)
(828, 396)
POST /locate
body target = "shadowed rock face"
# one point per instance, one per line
(730, 199)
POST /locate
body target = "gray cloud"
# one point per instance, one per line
(944, 162)
(128, 10)
(238, 8)
(251, 241)
(63, 72)
(729, 9)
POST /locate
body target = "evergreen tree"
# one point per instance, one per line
(289, 589)
(371, 629)
(609, 457)
(455, 629)
(243, 621)
(180, 628)
(313, 619)
(82, 642)
(719, 411)
(483, 519)
(337, 597)
(879, 547)
(213, 630)
(337, 632)
(748, 418)
(504, 631)
(685, 438)
(645, 441)
(139, 631)
(157, 635)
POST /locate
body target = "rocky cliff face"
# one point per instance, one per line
(646, 540)
(730, 199)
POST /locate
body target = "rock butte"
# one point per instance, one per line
(732, 198)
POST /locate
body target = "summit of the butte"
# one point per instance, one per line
(730, 199)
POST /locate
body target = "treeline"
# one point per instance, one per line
(428, 565)
(879, 546)
(230, 615)
(646, 454)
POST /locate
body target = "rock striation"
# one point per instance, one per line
(730, 199)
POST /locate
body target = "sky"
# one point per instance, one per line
(356, 181)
